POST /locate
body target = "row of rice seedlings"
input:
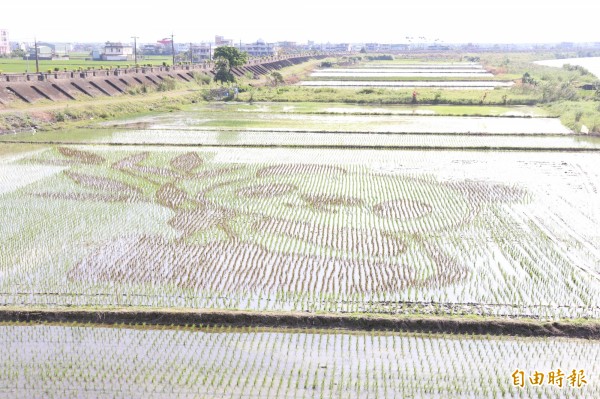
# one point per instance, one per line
(219, 361)
(268, 138)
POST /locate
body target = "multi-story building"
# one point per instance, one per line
(4, 44)
(258, 49)
(117, 52)
(221, 41)
(203, 51)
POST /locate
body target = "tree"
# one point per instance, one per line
(233, 57)
(222, 71)
(527, 79)
(18, 53)
(276, 78)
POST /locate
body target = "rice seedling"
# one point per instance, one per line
(340, 231)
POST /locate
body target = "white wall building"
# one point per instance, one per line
(117, 52)
(4, 44)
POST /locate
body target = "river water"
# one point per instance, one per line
(592, 64)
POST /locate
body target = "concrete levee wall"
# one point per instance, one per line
(61, 85)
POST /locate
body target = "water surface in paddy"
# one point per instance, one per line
(297, 122)
(61, 361)
(419, 66)
(389, 72)
(403, 84)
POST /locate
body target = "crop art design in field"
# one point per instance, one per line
(148, 227)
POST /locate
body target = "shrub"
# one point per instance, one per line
(167, 84)
(201, 78)
(582, 71)
(382, 57)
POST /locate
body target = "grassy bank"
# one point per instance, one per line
(73, 113)
(44, 115)
(389, 96)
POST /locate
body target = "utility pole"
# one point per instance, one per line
(191, 54)
(135, 48)
(173, 48)
(37, 58)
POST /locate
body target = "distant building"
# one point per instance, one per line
(4, 44)
(203, 52)
(45, 52)
(19, 46)
(335, 47)
(221, 41)
(399, 47)
(385, 47)
(62, 49)
(152, 49)
(258, 49)
(115, 51)
(288, 47)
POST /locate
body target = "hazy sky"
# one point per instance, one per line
(501, 21)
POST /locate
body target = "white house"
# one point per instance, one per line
(117, 52)
(4, 44)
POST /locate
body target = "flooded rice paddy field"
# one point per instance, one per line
(331, 125)
(393, 231)
(389, 72)
(278, 138)
(345, 140)
(66, 361)
(458, 84)
(327, 118)
(400, 64)
(398, 75)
